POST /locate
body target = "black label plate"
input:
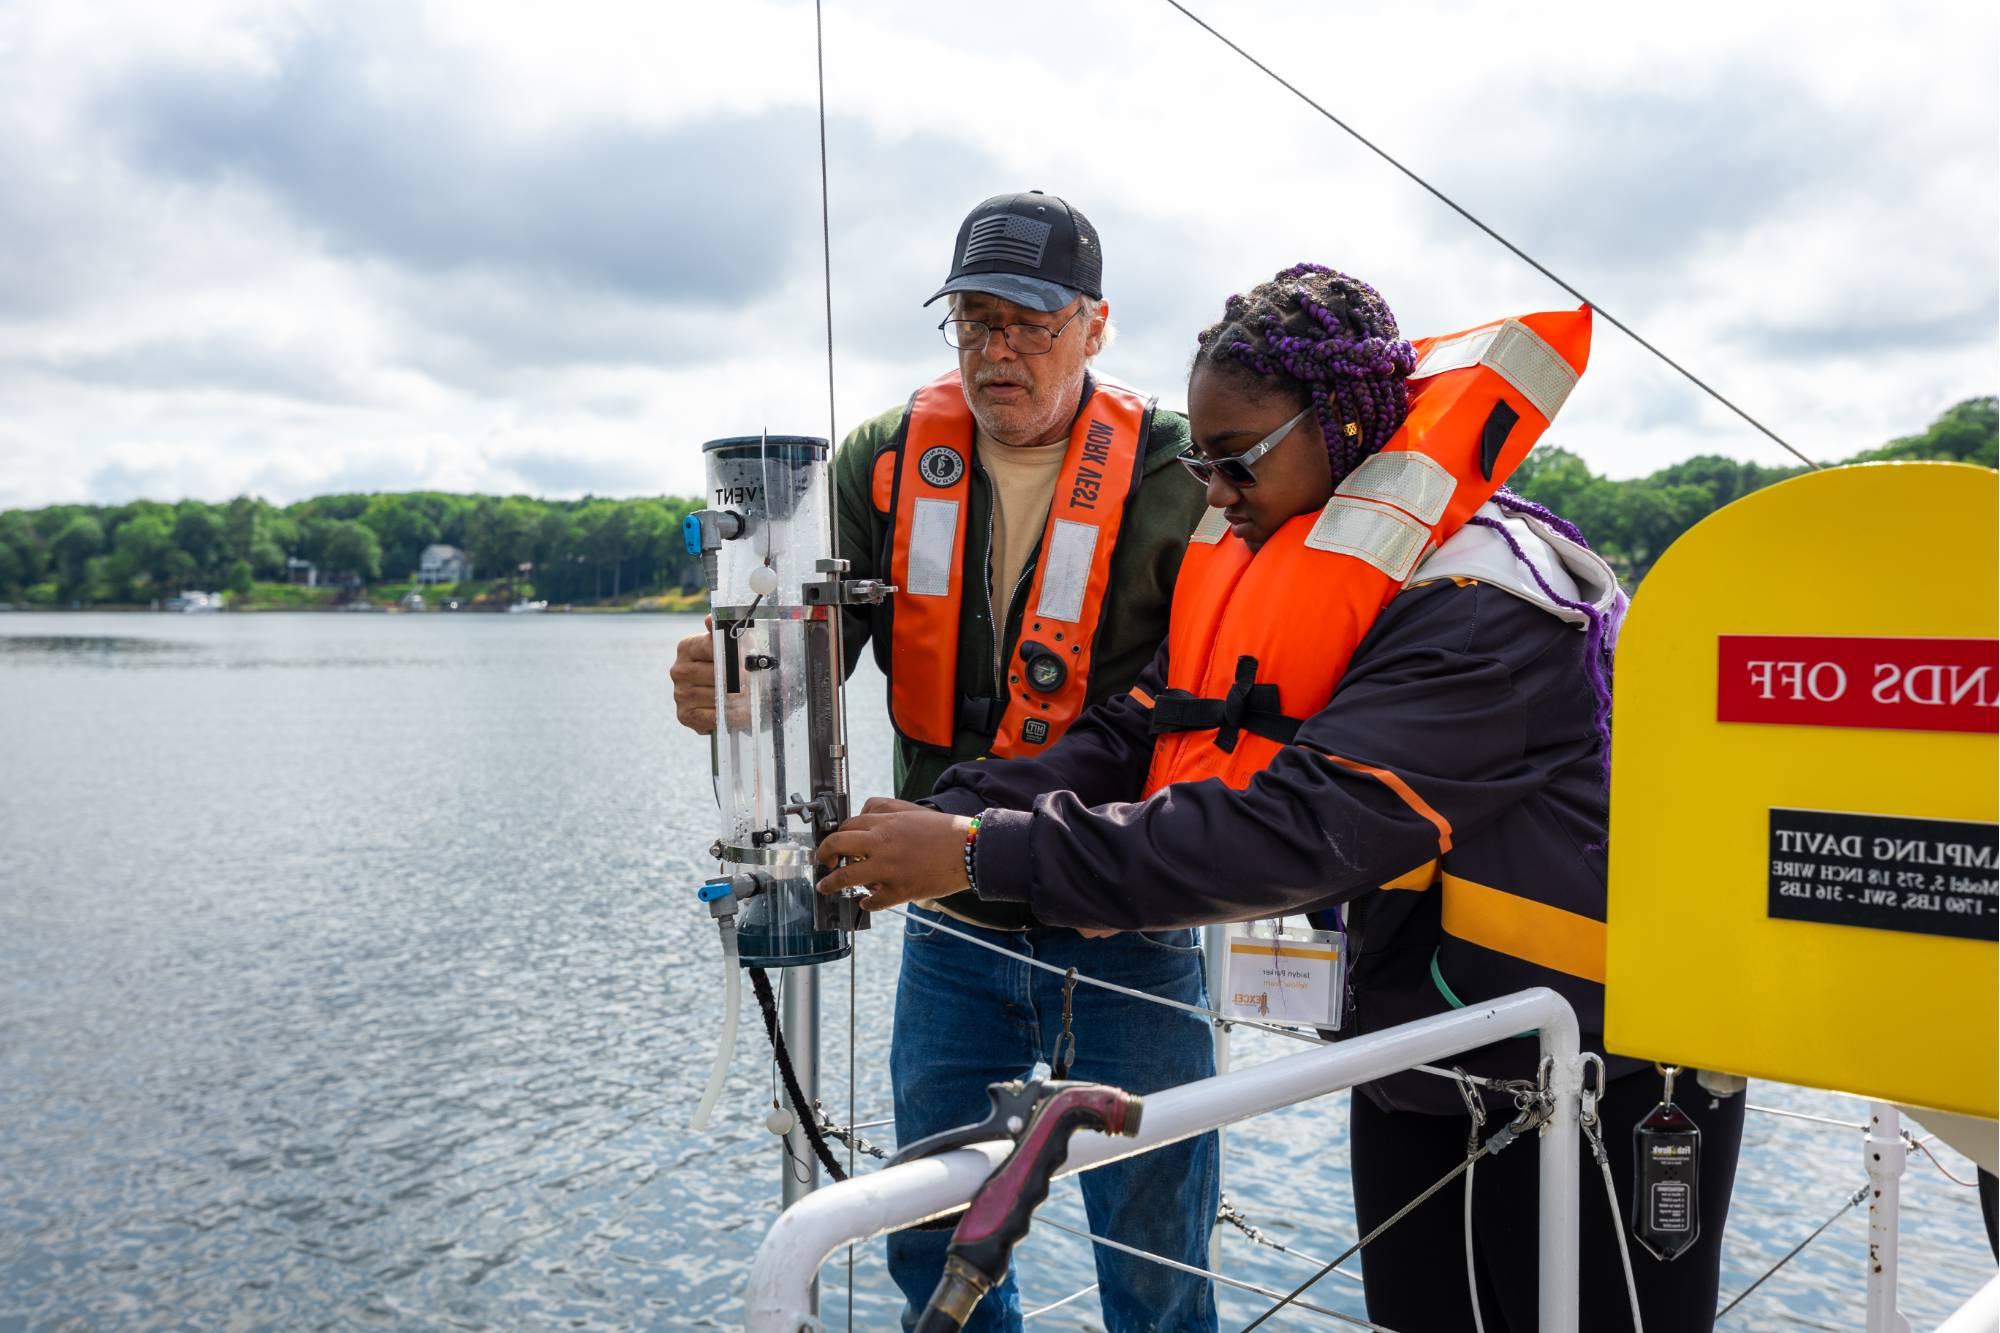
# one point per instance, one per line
(1886, 872)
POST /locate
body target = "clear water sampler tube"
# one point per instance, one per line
(775, 592)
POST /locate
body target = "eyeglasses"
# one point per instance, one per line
(1235, 469)
(1026, 339)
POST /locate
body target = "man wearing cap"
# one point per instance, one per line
(1032, 519)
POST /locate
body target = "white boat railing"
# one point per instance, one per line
(806, 1234)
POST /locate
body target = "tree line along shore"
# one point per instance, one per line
(335, 551)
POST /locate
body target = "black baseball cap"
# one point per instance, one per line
(1032, 249)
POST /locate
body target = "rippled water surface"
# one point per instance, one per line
(350, 975)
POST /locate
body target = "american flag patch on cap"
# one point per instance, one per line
(1008, 239)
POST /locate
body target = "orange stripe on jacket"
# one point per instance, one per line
(1395, 783)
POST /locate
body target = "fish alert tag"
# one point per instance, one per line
(1287, 976)
(1666, 1164)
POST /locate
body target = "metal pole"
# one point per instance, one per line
(1886, 1155)
(1215, 953)
(1561, 1154)
(800, 1017)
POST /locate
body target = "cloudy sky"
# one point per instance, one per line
(286, 248)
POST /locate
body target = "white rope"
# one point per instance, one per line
(1593, 1133)
(1057, 1305)
(1471, 1270)
(1475, 1109)
(1223, 1278)
(1618, 1230)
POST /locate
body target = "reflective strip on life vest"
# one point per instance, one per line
(1385, 537)
(1520, 355)
(1523, 928)
(1214, 526)
(1406, 479)
(1066, 558)
(933, 542)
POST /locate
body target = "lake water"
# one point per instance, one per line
(351, 976)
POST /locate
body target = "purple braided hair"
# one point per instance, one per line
(1597, 635)
(1521, 504)
(1336, 340)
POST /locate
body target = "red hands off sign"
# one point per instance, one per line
(1898, 684)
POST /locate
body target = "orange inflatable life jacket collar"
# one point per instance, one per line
(928, 496)
(1299, 606)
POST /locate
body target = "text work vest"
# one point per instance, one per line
(922, 481)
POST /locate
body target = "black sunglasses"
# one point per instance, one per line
(1235, 469)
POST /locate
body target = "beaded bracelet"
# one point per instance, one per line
(971, 854)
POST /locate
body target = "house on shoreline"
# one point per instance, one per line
(442, 564)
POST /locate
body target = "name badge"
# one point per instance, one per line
(1287, 976)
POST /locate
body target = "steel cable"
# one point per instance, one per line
(1514, 249)
(1853, 1199)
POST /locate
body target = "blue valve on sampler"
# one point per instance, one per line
(691, 534)
(714, 890)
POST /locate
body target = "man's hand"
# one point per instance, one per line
(694, 681)
(900, 852)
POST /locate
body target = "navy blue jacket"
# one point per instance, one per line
(1475, 700)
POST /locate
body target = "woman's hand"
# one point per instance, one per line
(899, 851)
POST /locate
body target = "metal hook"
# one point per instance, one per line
(1065, 1052)
(1474, 1107)
(1588, 1094)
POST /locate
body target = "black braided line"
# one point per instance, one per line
(803, 1109)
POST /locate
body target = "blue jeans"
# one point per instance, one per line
(967, 1017)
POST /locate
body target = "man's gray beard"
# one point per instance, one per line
(1068, 393)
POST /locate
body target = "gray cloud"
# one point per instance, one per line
(415, 177)
(602, 244)
(1647, 176)
(57, 227)
(1870, 333)
(547, 471)
(235, 363)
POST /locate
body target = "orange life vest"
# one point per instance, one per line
(1258, 642)
(921, 481)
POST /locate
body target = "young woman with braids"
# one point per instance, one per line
(1416, 752)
